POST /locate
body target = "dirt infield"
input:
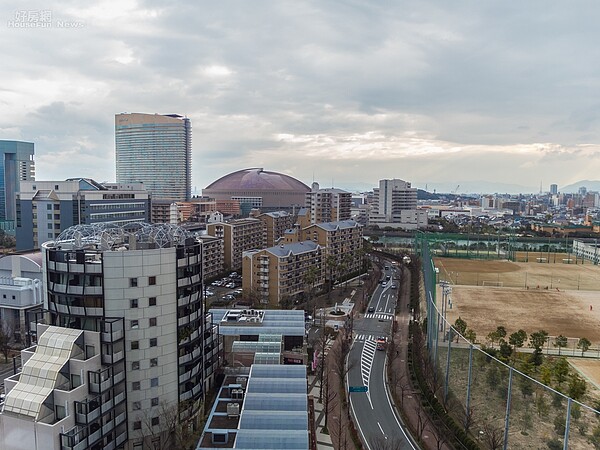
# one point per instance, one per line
(535, 275)
(590, 368)
(566, 313)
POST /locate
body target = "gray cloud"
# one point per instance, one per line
(428, 90)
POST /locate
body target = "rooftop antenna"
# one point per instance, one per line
(540, 186)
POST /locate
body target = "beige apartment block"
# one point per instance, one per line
(328, 204)
(276, 224)
(280, 274)
(343, 242)
(238, 236)
(212, 256)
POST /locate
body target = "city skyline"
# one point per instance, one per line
(344, 93)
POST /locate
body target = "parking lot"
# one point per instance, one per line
(225, 291)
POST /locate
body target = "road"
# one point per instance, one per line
(373, 411)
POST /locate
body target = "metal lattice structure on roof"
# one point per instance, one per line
(109, 235)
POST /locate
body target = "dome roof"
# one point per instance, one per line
(259, 180)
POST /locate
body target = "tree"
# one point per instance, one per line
(492, 436)
(505, 351)
(6, 338)
(310, 278)
(577, 387)
(560, 341)
(495, 336)
(470, 335)
(330, 264)
(537, 341)
(561, 370)
(584, 344)
(517, 339)
(460, 325)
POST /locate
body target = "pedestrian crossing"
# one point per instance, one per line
(365, 337)
(387, 316)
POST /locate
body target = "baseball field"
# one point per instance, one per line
(559, 298)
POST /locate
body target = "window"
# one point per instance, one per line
(75, 381)
(153, 362)
(133, 282)
(61, 412)
(154, 401)
(13, 297)
(135, 345)
(153, 382)
(135, 365)
(134, 324)
(48, 207)
(152, 281)
(56, 187)
(137, 425)
(136, 386)
(152, 301)
(133, 303)
(152, 321)
(153, 342)
(137, 406)
(155, 421)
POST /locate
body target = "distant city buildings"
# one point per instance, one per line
(16, 165)
(554, 189)
(46, 208)
(156, 150)
(395, 205)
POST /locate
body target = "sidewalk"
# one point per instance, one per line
(323, 440)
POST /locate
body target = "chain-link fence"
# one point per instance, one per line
(501, 407)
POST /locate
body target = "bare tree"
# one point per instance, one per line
(6, 338)
(421, 420)
(400, 382)
(158, 426)
(339, 351)
(492, 437)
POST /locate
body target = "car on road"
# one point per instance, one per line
(371, 309)
(394, 286)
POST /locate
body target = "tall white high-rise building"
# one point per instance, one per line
(156, 150)
(395, 205)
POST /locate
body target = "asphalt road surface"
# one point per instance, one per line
(373, 410)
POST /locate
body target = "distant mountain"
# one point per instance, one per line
(590, 185)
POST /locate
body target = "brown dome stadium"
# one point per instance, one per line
(275, 190)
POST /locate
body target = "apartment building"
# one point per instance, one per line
(280, 274)
(61, 399)
(276, 224)
(46, 208)
(20, 293)
(342, 242)
(238, 236)
(213, 254)
(140, 287)
(328, 204)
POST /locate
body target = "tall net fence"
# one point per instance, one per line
(498, 405)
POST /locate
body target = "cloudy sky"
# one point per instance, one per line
(470, 93)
